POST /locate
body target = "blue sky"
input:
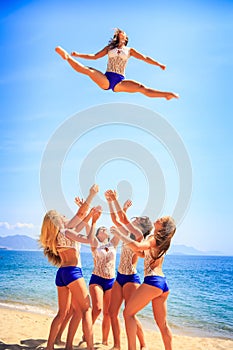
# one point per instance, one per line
(40, 92)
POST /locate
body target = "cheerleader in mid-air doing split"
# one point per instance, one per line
(114, 78)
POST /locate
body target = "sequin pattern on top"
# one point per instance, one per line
(65, 242)
(126, 265)
(104, 260)
(117, 60)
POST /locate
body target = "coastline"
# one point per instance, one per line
(23, 329)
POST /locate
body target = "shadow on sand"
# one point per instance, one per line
(37, 344)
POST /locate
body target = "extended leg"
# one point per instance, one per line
(98, 77)
(132, 86)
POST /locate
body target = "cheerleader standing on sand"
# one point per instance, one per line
(114, 78)
(154, 287)
(100, 286)
(60, 239)
(127, 280)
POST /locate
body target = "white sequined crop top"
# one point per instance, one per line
(128, 261)
(104, 260)
(65, 242)
(117, 60)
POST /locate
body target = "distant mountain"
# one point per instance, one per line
(18, 242)
(181, 249)
(23, 242)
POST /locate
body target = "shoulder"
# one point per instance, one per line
(109, 48)
(151, 240)
(106, 48)
(131, 50)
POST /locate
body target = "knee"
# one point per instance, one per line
(97, 309)
(85, 308)
(163, 327)
(62, 314)
(113, 313)
(127, 314)
(141, 87)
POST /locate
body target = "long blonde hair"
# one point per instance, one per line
(164, 235)
(48, 236)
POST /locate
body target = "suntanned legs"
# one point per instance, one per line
(101, 302)
(101, 80)
(128, 292)
(133, 86)
(58, 340)
(81, 303)
(114, 309)
(106, 324)
(160, 315)
(119, 294)
(63, 309)
(140, 299)
(98, 77)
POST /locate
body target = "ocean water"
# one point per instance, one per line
(199, 304)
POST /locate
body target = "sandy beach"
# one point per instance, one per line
(25, 330)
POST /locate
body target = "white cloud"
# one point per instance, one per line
(18, 225)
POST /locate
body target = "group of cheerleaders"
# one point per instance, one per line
(61, 238)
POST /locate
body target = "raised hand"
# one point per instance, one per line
(111, 195)
(107, 196)
(94, 190)
(96, 213)
(79, 201)
(162, 66)
(127, 204)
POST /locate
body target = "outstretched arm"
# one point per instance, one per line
(110, 198)
(92, 240)
(82, 212)
(73, 235)
(92, 56)
(147, 59)
(124, 219)
(134, 245)
(115, 239)
(85, 222)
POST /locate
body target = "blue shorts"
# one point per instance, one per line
(123, 279)
(105, 283)
(66, 275)
(157, 281)
(114, 79)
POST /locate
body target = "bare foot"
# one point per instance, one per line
(59, 342)
(62, 52)
(82, 343)
(171, 95)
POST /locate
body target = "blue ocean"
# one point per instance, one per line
(199, 304)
